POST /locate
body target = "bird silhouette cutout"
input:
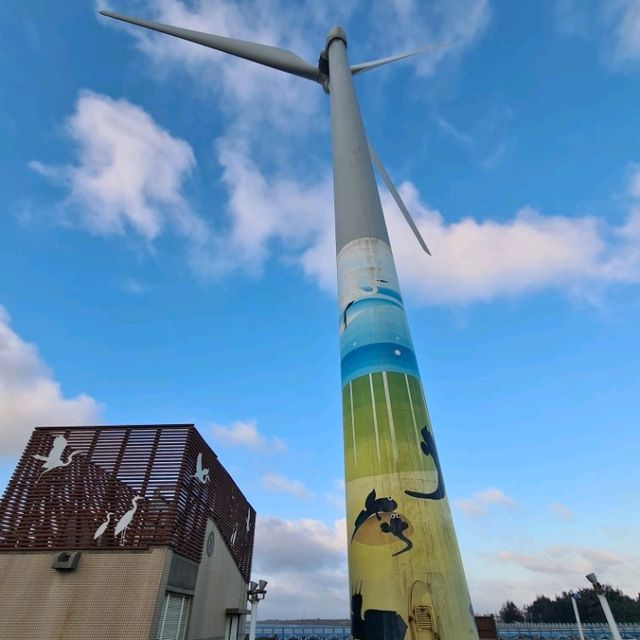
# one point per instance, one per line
(202, 475)
(54, 459)
(103, 527)
(125, 521)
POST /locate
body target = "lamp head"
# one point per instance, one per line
(262, 584)
(253, 586)
(592, 579)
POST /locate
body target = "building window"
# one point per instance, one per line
(174, 618)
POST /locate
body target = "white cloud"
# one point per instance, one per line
(245, 434)
(30, 396)
(301, 559)
(121, 152)
(477, 260)
(473, 260)
(281, 484)
(479, 503)
(265, 211)
(128, 174)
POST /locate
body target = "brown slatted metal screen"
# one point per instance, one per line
(63, 507)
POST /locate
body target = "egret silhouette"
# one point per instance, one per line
(54, 459)
(103, 527)
(125, 521)
(201, 474)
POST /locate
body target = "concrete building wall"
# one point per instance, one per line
(220, 586)
(109, 596)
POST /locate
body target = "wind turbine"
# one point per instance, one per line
(384, 408)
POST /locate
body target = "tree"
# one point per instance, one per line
(510, 612)
(540, 610)
(560, 609)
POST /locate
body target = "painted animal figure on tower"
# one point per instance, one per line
(397, 526)
(428, 446)
(373, 507)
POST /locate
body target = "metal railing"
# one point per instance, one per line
(302, 632)
(515, 631)
(563, 631)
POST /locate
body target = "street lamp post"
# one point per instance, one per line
(575, 611)
(599, 589)
(255, 593)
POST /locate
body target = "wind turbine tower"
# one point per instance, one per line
(405, 570)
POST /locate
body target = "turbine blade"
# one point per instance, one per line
(273, 57)
(366, 66)
(396, 196)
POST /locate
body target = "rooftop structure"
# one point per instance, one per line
(92, 513)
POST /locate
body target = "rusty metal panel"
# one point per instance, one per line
(69, 478)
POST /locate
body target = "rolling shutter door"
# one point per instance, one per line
(175, 615)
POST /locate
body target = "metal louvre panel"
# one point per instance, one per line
(62, 508)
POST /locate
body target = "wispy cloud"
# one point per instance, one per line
(281, 484)
(561, 511)
(615, 23)
(412, 23)
(479, 503)
(563, 560)
(245, 434)
(133, 286)
(447, 127)
(29, 394)
(336, 498)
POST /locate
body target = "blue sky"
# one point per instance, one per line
(166, 253)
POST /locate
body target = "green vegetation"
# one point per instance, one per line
(544, 609)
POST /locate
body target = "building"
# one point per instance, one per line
(123, 532)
